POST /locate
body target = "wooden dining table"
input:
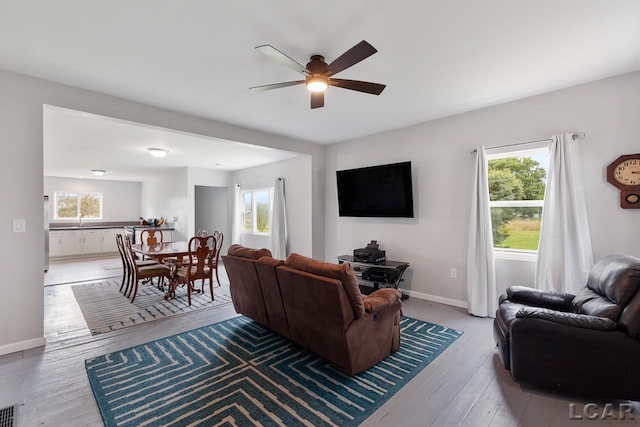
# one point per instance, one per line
(170, 253)
(162, 251)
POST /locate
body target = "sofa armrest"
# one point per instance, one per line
(569, 319)
(380, 299)
(540, 298)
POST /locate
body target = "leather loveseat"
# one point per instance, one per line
(585, 344)
(316, 304)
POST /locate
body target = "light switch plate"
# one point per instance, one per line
(19, 225)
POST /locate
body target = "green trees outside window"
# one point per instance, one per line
(257, 211)
(516, 192)
(69, 205)
(262, 211)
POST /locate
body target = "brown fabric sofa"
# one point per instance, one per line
(316, 304)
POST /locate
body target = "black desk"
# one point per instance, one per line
(366, 285)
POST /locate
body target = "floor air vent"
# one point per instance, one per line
(9, 417)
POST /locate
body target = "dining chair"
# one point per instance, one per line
(126, 269)
(219, 236)
(151, 237)
(142, 272)
(200, 265)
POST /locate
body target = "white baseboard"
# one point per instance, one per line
(22, 345)
(435, 298)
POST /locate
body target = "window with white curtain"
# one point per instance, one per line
(517, 180)
(257, 206)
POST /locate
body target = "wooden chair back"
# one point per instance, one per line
(201, 257)
(128, 252)
(142, 271)
(219, 238)
(126, 271)
(151, 237)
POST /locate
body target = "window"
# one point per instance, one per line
(70, 205)
(256, 215)
(516, 192)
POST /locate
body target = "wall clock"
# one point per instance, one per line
(624, 173)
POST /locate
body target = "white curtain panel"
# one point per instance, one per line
(482, 294)
(279, 222)
(565, 255)
(236, 220)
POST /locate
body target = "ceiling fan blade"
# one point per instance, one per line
(275, 86)
(351, 57)
(357, 85)
(317, 99)
(274, 53)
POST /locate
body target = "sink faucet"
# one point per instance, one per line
(80, 222)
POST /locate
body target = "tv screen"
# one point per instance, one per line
(376, 191)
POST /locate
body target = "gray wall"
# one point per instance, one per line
(21, 109)
(298, 184)
(121, 199)
(436, 239)
(212, 211)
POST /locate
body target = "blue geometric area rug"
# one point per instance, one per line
(237, 372)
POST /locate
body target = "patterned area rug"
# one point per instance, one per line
(238, 373)
(105, 309)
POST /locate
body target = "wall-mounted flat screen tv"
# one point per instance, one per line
(376, 191)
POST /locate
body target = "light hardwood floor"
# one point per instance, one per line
(466, 385)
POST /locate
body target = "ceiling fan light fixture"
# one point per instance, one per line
(98, 172)
(158, 152)
(317, 83)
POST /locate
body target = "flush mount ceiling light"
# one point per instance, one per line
(98, 172)
(158, 152)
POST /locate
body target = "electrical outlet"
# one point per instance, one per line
(453, 272)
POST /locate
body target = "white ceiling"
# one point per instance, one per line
(437, 58)
(77, 142)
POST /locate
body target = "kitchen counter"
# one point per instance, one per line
(84, 227)
(90, 225)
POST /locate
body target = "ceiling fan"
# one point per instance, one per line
(319, 74)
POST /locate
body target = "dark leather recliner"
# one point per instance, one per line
(585, 344)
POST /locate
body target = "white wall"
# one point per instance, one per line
(120, 199)
(21, 110)
(436, 239)
(297, 174)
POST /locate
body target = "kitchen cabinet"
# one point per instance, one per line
(63, 243)
(91, 241)
(109, 239)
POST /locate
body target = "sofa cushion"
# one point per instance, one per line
(244, 252)
(630, 318)
(570, 319)
(266, 268)
(617, 277)
(539, 297)
(343, 272)
(589, 302)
